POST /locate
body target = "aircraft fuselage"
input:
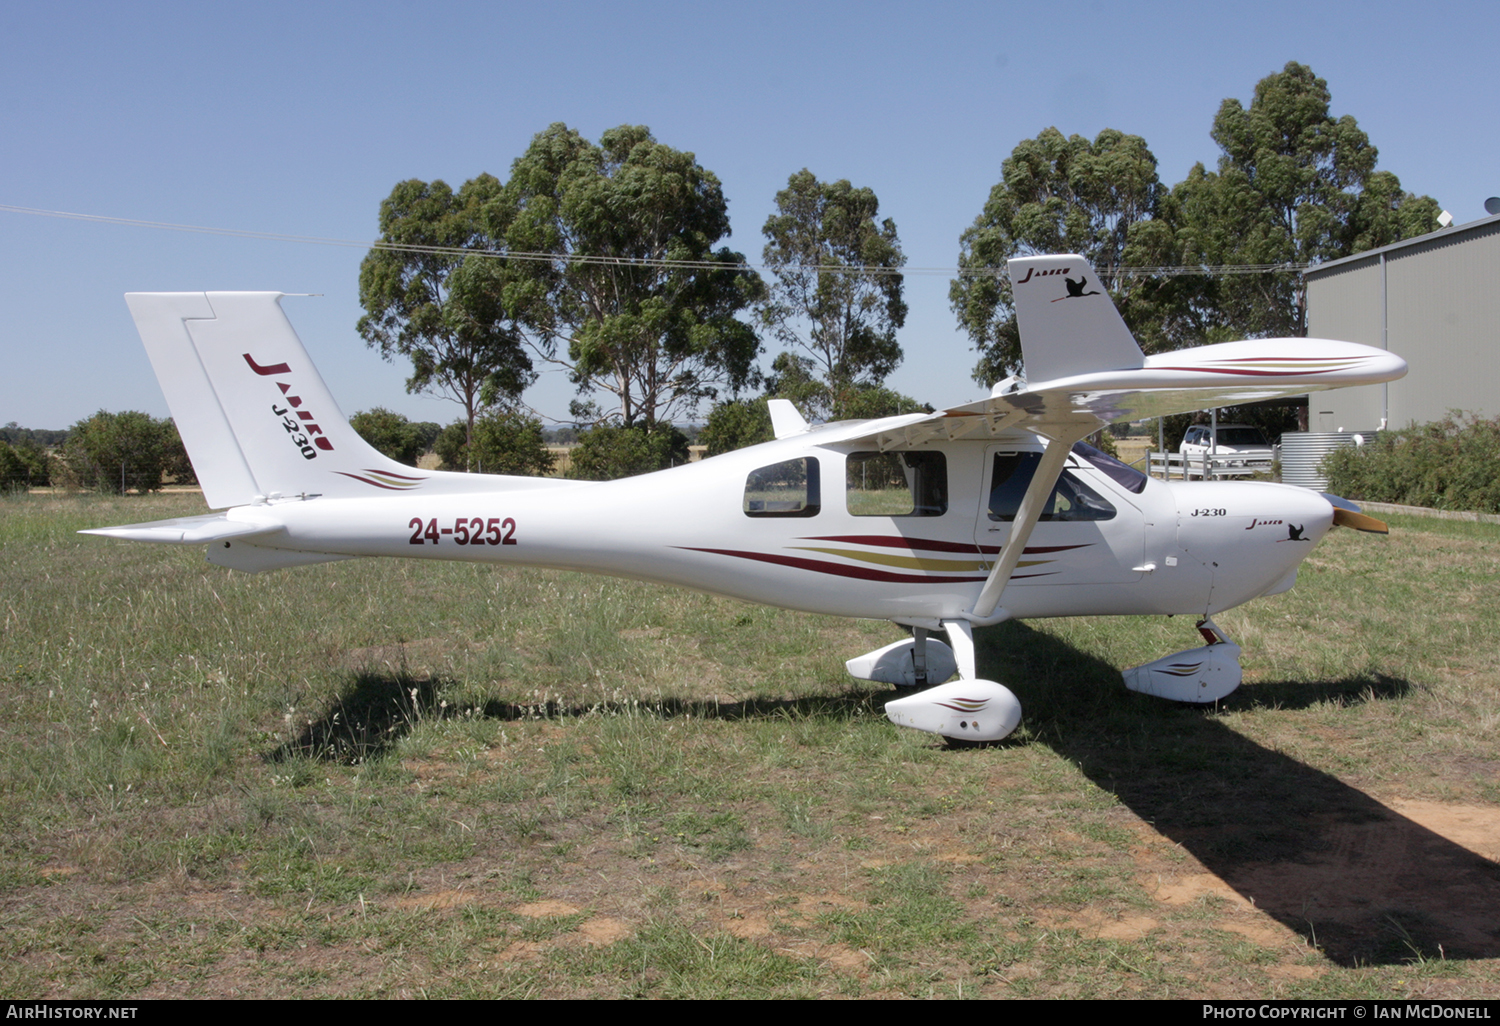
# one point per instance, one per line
(1166, 548)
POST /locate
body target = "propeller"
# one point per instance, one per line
(1347, 514)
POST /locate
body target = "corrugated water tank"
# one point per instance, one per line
(1302, 454)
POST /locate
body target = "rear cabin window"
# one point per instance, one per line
(789, 489)
(1071, 499)
(896, 484)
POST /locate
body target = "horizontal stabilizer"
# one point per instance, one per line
(211, 527)
(226, 540)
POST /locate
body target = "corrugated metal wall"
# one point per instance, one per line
(1344, 303)
(1443, 309)
(1444, 303)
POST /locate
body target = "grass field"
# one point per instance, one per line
(416, 779)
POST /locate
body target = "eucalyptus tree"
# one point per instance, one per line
(1294, 186)
(1056, 194)
(635, 301)
(433, 292)
(836, 299)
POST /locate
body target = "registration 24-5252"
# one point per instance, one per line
(465, 531)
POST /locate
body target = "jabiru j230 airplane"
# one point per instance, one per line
(938, 522)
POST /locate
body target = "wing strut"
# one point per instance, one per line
(1032, 503)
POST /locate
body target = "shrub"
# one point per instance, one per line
(25, 465)
(736, 424)
(607, 452)
(13, 472)
(1453, 463)
(505, 442)
(175, 463)
(391, 434)
(1104, 441)
(116, 452)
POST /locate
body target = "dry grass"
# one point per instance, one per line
(378, 778)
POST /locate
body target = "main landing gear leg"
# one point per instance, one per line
(911, 664)
(919, 657)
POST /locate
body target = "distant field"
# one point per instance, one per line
(381, 778)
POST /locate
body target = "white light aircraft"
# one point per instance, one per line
(938, 522)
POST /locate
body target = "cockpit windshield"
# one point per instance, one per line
(1123, 474)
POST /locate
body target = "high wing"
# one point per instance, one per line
(1085, 370)
(1073, 379)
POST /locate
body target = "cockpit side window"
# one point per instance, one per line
(789, 489)
(1071, 498)
(896, 484)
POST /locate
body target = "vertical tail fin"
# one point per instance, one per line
(253, 412)
(1069, 324)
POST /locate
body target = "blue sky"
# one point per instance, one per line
(299, 118)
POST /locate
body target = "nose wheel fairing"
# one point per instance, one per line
(1198, 675)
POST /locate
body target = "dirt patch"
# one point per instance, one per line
(1259, 933)
(753, 926)
(439, 900)
(1475, 827)
(837, 956)
(829, 900)
(1092, 923)
(1186, 889)
(522, 951)
(604, 931)
(1421, 878)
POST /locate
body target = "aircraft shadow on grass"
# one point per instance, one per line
(380, 707)
(1358, 880)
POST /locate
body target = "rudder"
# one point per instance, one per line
(254, 414)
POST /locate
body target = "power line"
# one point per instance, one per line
(1203, 270)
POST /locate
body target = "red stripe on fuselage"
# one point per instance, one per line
(932, 545)
(863, 573)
